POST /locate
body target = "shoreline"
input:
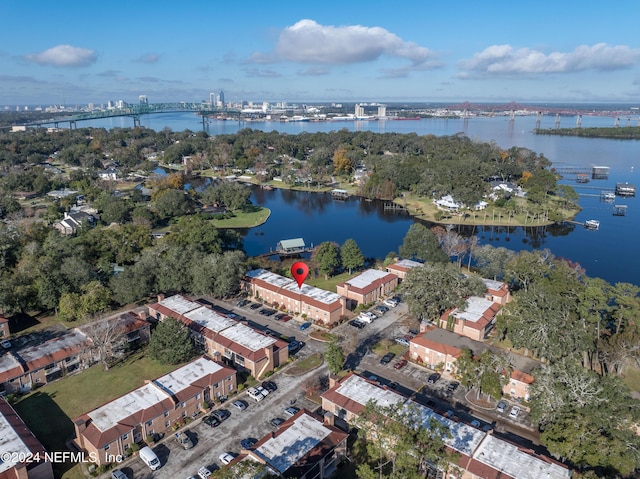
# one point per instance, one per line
(469, 218)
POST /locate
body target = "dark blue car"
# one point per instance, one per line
(304, 326)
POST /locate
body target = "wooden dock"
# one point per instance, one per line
(289, 248)
(395, 207)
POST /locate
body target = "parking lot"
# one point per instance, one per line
(211, 442)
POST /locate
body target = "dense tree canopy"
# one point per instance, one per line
(171, 342)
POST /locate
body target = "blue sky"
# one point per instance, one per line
(353, 51)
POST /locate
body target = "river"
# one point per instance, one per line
(610, 253)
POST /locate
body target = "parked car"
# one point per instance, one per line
(386, 359)
(292, 411)
(433, 378)
(221, 414)
(279, 316)
(270, 386)
(403, 341)
(393, 385)
(184, 440)
(6, 344)
(364, 318)
(452, 386)
(414, 332)
(204, 472)
(502, 406)
(255, 305)
(242, 303)
(267, 312)
(449, 413)
(391, 302)
(226, 457)
(118, 474)
(381, 309)
(357, 324)
(475, 423)
(262, 390)
(211, 421)
(240, 404)
(294, 346)
(400, 364)
(276, 421)
(254, 394)
(248, 443)
(515, 410)
(305, 325)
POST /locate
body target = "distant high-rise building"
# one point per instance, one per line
(221, 98)
(382, 111)
(212, 99)
(359, 111)
(143, 100)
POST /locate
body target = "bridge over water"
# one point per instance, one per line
(137, 110)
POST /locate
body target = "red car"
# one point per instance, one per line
(400, 364)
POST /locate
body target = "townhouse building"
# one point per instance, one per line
(283, 293)
(367, 287)
(401, 267)
(156, 407)
(479, 454)
(37, 364)
(223, 338)
(475, 320)
(439, 349)
(303, 447)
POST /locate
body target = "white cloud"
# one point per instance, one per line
(309, 42)
(148, 58)
(64, 56)
(505, 60)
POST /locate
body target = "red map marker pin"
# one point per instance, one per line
(300, 271)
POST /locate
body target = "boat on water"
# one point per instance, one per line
(592, 224)
(405, 118)
(299, 118)
(609, 196)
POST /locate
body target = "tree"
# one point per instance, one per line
(431, 290)
(106, 337)
(351, 255)
(172, 203)
(334, 356)
(218, 274)
(171, 342)
(196, 230)
(327, 256)
(421, 244)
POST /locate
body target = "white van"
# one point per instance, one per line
(255, 394)
(149, 458)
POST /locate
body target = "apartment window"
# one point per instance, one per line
(167, 423)
(197, 396)
(184, 414)
(127, 446)
(166, 414)
(148, 423)
(106, 448)
(182, 405)
(125, 436)
(215, 386)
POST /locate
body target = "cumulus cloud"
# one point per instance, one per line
(64, 56)
(310, 42)
(148, 58)
(505, 60)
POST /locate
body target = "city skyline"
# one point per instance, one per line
(88, 52)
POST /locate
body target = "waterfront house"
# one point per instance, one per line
(367, 287)
(224, 338)
(157, 407)
(303, 447)
(18, 441)
(477, 453)
(316, 304)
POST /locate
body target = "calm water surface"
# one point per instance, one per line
(611, 253)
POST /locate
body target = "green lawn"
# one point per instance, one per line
(49, 410)
(387, 346)
(244, 220)
(331, 283)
